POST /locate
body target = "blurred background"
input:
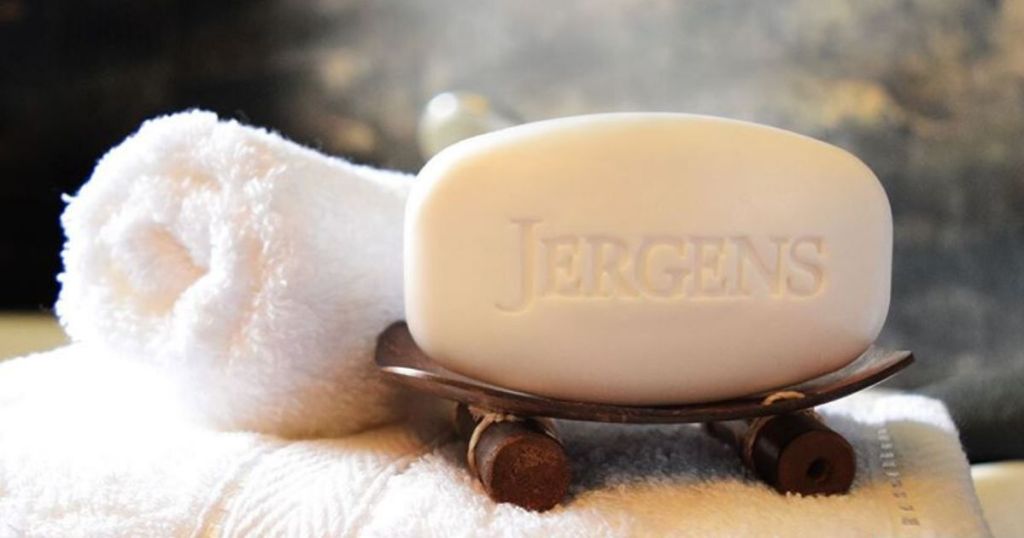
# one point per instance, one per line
(930, 93)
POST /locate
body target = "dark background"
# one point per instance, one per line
(930, 93)
(76, 77)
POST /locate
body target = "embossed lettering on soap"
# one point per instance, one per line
(661, 267)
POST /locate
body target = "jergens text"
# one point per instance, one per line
(660, 267)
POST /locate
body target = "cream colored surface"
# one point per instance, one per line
(646, 258)
(1000, 488)
(24, 333)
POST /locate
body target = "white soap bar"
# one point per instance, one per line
(646, 258)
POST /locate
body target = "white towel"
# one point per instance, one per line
(93, 447)
(256, 272)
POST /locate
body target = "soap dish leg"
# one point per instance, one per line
(793, 452)
(519, 460)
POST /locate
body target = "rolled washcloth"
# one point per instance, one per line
(254, 272)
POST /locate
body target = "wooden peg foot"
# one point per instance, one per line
(793, 453)
(516, 461)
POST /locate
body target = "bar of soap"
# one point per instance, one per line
(646, 258)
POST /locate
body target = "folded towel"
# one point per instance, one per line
(256, 272)
(90, 446)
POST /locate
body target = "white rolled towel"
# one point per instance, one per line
(253, 272)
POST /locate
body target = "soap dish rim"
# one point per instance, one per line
(399, 358)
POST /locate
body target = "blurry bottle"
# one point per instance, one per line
(453, 116)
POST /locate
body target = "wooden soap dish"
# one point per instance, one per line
(518, 458)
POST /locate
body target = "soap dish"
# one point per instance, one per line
(515, 452)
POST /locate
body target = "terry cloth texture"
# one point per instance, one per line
(255, 272)
(91, 446)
